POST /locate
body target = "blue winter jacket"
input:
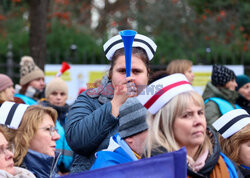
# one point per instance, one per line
(118, 152)
(66, 157)
(41, 165)
(90, 124)
(26, 99)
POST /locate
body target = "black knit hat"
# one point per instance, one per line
(221, 75)
(132, 118)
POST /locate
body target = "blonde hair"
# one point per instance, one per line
(160, 132)
(31, 120)
(3, 131)
(231, 145)
(179, 66)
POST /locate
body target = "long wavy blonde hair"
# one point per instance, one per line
(161, 133)
(3, 131)
(28, 127)
(231, 145)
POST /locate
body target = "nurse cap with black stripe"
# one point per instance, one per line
(11, 114)
(115, 43)
(232, 122)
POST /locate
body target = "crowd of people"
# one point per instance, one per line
(123, 120)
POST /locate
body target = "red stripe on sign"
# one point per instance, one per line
(151, 101)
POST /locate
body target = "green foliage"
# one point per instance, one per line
(15, 31)
(60, 37)
(202, 31)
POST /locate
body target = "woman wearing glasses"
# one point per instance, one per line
(56, 94)
(7, 168)
(35, 141)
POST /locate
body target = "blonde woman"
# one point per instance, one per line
(35, 141)
(234, 129)
(177, 120)
(183, 66)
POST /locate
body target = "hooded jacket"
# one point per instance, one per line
(212, 111)
(90, 124)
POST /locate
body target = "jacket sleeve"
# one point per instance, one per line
(212, 112)
(87, 125)
(104, 160)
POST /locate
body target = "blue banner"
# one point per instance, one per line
(172, 165)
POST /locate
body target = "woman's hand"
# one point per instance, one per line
(124, 90)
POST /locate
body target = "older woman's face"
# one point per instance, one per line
(245, 91)
(138, 71)
(190, 127)
(244, 154)
(6, 156)
(44, 140)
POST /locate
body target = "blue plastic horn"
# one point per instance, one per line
(128, 38)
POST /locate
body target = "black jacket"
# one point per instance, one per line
(210, 162)
(245, 172)
(244, 103)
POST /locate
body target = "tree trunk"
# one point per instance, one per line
(38, 21)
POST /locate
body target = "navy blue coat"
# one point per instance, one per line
(41, 165)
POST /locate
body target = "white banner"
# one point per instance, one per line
(202, 75)
(78, 76)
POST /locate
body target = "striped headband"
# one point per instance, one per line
(11, 114)
(160, 92)
(115, 43)
(231, 122)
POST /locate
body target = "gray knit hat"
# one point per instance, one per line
(132, 118)
(29, 70)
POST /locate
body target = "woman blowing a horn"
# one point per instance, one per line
(94, 116)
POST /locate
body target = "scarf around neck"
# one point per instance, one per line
(104, 93)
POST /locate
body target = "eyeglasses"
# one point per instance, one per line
(4, 150)
(51, 130)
